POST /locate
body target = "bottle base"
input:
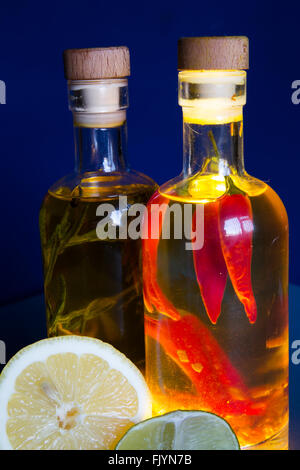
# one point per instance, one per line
(279, 441)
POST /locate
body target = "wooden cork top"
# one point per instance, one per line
(213, 53)
(97, 63)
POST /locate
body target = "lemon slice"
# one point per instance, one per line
(70, 392)
(181, 430)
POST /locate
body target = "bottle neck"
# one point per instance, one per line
(99, 113)
(212, 104)
(211, 148)
(101, 148)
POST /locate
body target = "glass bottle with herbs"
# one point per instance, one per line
(92, 268)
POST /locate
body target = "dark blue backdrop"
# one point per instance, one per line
(36, 146)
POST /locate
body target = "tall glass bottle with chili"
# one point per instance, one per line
(215, 254)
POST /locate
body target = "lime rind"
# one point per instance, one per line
(181, 430)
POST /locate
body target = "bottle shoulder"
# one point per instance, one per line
(265, 202)
(101, 185)
(274, 204)
(202, 187)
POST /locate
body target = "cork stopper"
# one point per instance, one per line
(213, 53)
(97, 63)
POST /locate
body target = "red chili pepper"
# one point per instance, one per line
(228, 229)
(153, 295)
(185, 339)
(209, 262)
(190, 344)
(236, 229)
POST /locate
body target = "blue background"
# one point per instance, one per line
(36, 137)
(36, 142)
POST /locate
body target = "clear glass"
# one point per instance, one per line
(93, 286)
(217, 316)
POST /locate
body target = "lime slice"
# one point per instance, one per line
(70, 392)
(181, 430)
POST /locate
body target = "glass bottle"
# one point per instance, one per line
(92, 277)
(216, 294)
